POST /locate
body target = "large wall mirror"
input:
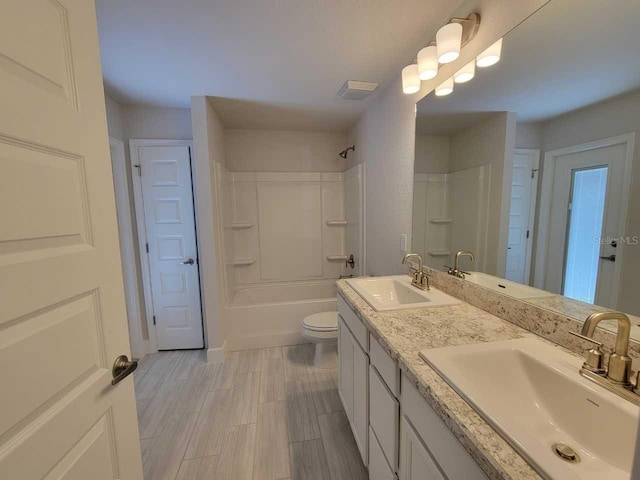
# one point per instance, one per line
(532, 165)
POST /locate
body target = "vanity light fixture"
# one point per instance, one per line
(466, 73)
(410, 79)
(445, 88)
(450, 39)
(490, 56)
(449, 42)
(428, 62)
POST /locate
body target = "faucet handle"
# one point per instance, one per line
(595, 358)
(636, 388)
(588, 339)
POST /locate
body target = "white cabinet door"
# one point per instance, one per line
(62, 317)
(345, 360)
(361, 399)
(378, 467)
(415, 461)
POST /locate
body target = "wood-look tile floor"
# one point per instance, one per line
(261, 415)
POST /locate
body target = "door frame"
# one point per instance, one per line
(533, 200)
(550, 159)
(139, 346)
(134, 145)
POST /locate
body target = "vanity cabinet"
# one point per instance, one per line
(353, 381)
(398, 434)
(428, 449)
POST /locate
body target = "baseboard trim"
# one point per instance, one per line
(216, 355)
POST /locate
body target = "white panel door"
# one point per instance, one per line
(601, 271)
(520, 234)
(63, 319)
(171, 236)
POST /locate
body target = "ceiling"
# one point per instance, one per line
(570, 54)
(269, 64)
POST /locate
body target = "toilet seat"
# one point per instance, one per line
(322, 322)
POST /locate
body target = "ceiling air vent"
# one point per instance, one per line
(356, 90)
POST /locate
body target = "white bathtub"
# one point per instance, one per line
(271, 315)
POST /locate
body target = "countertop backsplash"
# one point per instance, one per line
(541, 321)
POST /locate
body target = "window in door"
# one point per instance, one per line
(584, 225)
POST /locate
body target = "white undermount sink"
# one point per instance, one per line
(396, 292)
(532, 393)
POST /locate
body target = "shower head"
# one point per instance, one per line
(345, 152)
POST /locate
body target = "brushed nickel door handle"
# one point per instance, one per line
(122, 368)
(191, 261)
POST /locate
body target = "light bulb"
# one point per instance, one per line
(445, 88)
(490, 56)
(410, 79)
(466, 73)
(449, 41)
(428, 62)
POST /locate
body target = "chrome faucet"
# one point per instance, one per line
(420, 279)
(455, 271)
(616, 378)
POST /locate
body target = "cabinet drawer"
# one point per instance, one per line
(378, 467)
(384, 413)
(356, 326)
(386, 366)
(449, 454)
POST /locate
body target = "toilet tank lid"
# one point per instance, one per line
(323, 320)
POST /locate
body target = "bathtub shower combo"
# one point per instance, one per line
(287, 237)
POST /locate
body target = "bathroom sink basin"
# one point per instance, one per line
(532, 393)
(396, 292)
(502, 285)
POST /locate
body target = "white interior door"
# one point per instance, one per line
(523, 195)
(575, 251)
(63, 319)
(172, 252)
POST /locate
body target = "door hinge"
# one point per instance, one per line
(139, 167)
(146, 246)
(527, 233)
(533, 172)
(154, 319)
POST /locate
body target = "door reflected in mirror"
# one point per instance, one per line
(532, 165)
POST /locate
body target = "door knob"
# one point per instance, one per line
(122, 368)
(190, 261)
(611, 258)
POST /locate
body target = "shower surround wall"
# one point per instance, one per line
(462, 186)
(286, 215)
(286, 226)
(287, 236)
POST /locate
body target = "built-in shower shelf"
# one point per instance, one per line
(241, 225)
(439, 253)
(440, 221)
(337, 258)
(336, 223)
(244, 262)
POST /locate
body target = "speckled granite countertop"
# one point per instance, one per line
(403, 333)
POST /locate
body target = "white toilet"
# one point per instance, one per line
(322, 329)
